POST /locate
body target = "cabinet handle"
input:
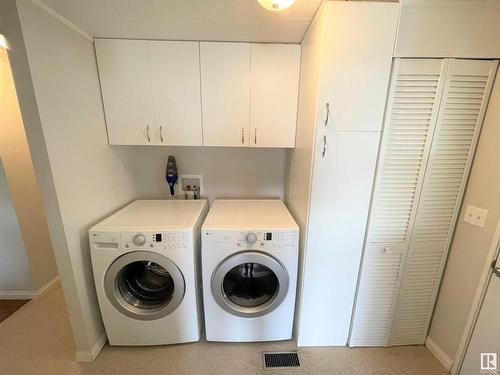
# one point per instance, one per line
(323, 150)
(161, 134)
(496, 271)
(242, 136)
(147, 133)
(387, 250)
(255, 136)
(327, 113)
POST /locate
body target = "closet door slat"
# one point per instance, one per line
(412, 107)
(465, 96)
(406, 138)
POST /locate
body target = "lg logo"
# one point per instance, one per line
(488, 361)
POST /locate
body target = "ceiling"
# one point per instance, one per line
(223, 20)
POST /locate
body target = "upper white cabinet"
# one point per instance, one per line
(249, 94)
(355, 72)
(225, 75)
(274, 85)
(193, 94)
(175, 83)
(151, 91)
(126, 90)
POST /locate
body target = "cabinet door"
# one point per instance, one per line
(356, 66)
(412, 110)
(175, 81)
(465, 96)
(340, 196)
(126, 90)
(274, 85)
(225, 86)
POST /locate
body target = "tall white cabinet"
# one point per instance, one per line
(344, 80)
(433, 119)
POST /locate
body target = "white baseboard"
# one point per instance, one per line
(18, 294)
(30, 294)
(44, 289)
(90, 355)
(439, 353)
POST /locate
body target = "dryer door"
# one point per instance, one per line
(144, 285)
(249, 284)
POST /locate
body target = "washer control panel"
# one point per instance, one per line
(155, 240)
(251, 238)
(284, 239)
(139, 240)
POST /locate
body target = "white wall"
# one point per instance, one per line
(471, 244)
(15, 272)
(63, 129)
(449, 28)
(21, 179)
(67, 137)
(227, 172)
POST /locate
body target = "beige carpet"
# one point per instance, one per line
(37, 340)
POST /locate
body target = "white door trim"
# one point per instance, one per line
(476, 303)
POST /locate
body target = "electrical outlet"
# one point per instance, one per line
(475, 216)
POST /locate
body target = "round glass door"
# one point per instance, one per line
(249, 284)
(144, 285)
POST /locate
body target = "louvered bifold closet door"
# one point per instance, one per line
(467, 87)
(412, 109)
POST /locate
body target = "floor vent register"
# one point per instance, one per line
(273, 360)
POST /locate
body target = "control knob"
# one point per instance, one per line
(251, 238)
(139, 240)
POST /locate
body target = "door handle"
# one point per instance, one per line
(242, 136)
(327, 118)
(496, 270)
(147, 133)
(323, 149)
(161, 134)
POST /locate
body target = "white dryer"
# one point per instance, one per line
(145, 259)
(249, 267)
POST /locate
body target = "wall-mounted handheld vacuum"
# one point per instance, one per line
(171, 174)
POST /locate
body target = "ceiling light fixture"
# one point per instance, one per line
(275, 5)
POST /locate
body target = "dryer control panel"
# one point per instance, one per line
(278, 239)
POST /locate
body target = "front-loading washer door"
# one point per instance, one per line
(249, 284)
(144, 285)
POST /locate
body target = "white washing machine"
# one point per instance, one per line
(249, 267)
(145, 259)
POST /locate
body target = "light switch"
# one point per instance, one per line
(475, 216)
